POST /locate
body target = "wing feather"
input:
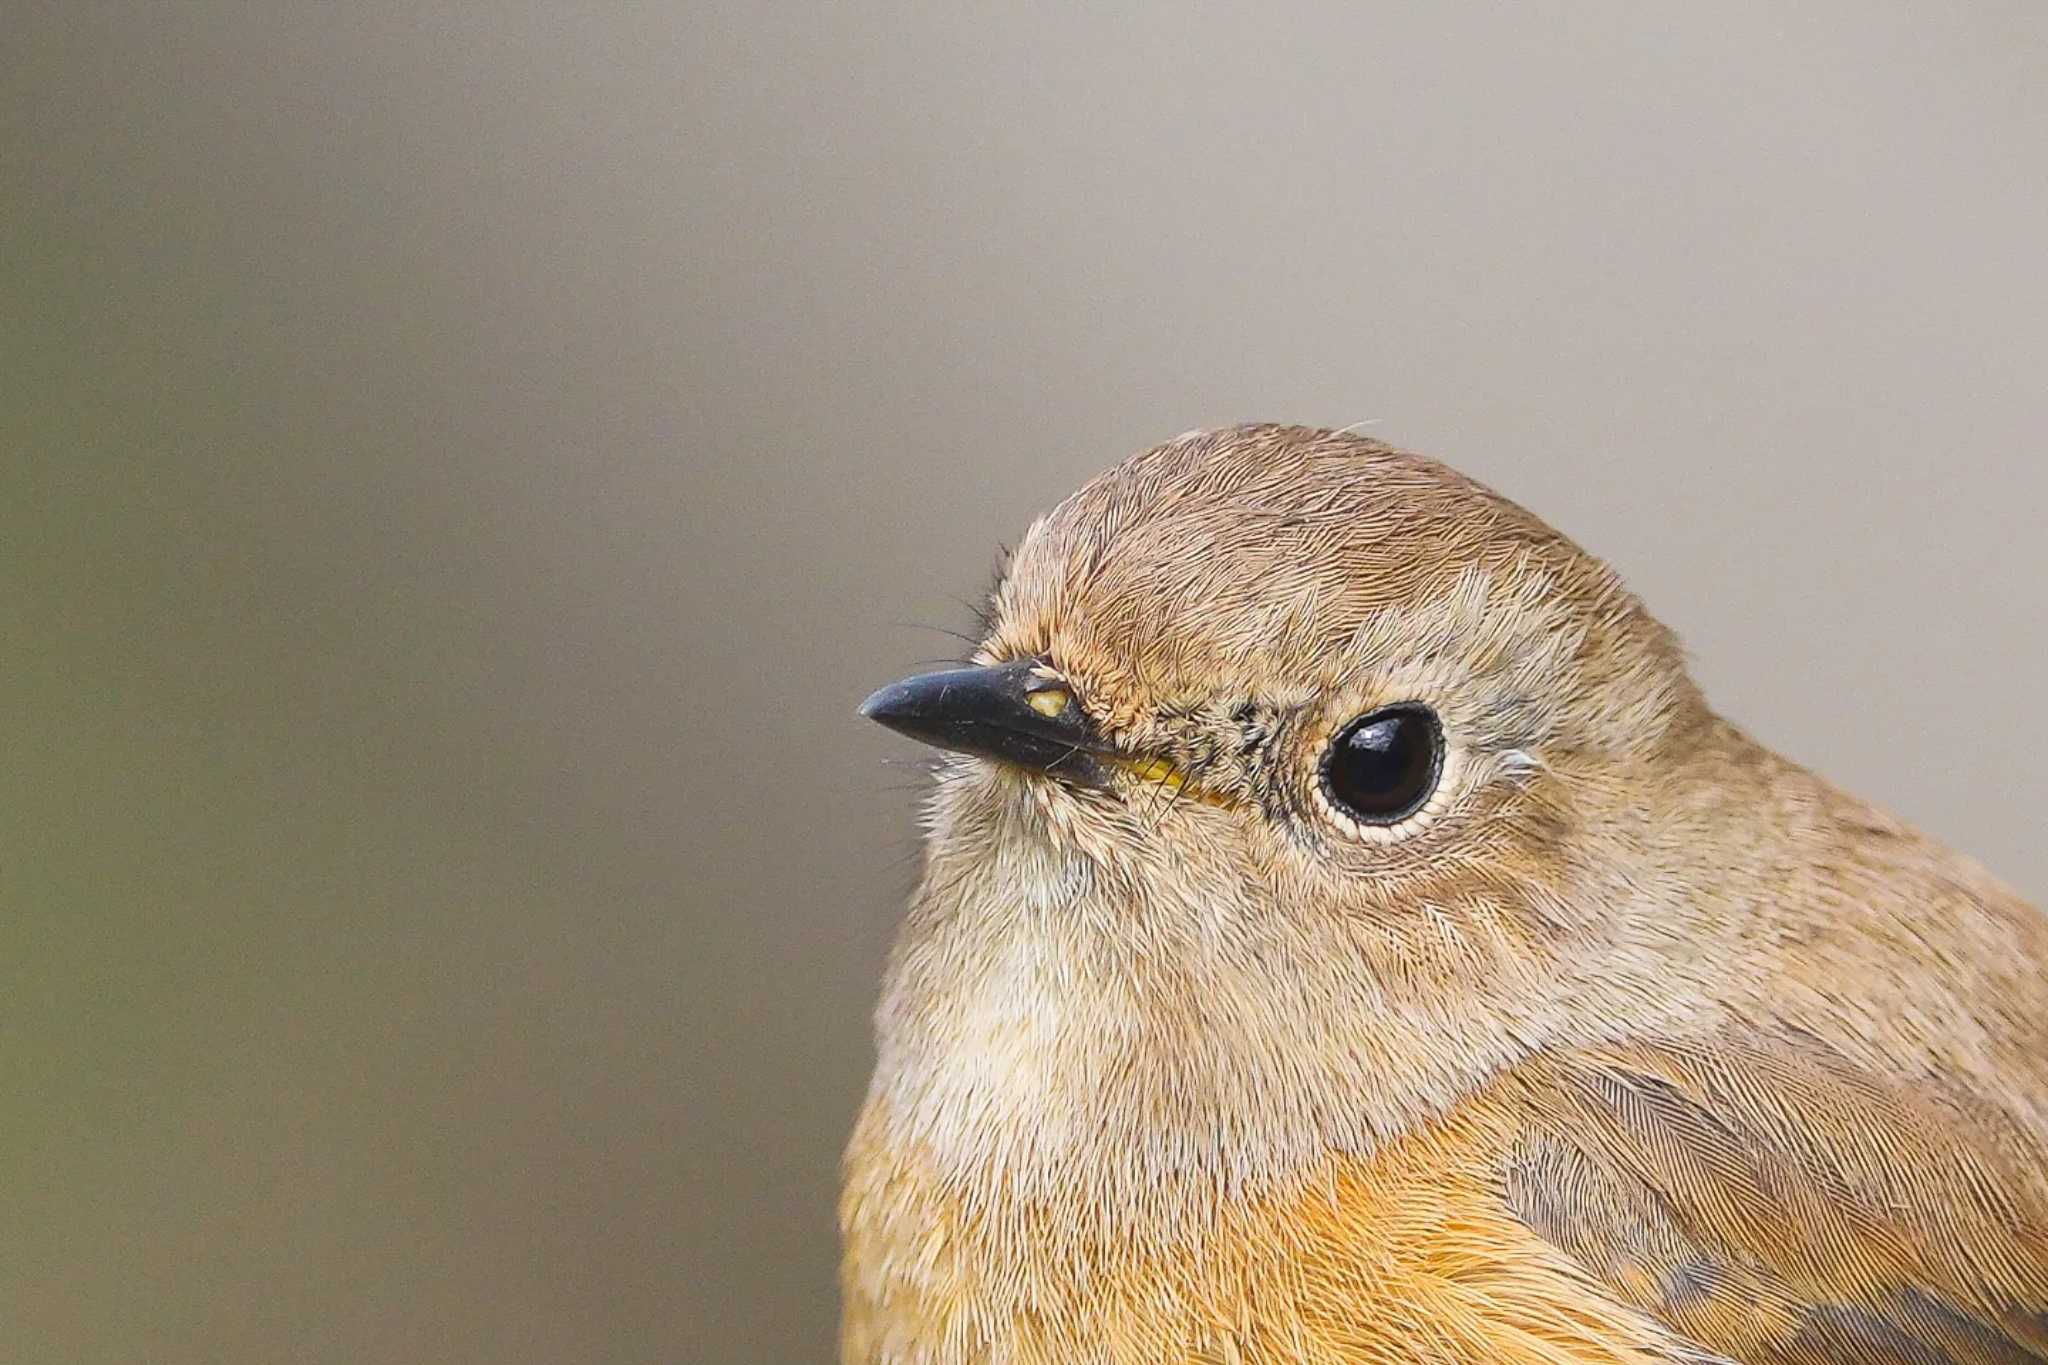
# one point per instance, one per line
(1768, 1200)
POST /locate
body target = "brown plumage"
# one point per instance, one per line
(1633, 1042)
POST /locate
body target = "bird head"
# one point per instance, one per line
(1291, 766)
(1305, 652)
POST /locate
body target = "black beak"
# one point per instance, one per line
(991, 712)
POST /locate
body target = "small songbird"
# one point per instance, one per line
(1346, 935)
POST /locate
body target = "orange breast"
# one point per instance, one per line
(1409, 1255)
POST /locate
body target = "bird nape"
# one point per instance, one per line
(1346, 934)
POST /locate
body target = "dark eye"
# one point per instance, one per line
(1382, 767)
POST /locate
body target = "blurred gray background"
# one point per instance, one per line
(463, 465)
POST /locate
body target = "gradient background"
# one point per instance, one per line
(464, 465)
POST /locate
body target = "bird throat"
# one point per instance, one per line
(1065, 1010)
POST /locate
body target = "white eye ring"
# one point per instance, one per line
(1385, 774)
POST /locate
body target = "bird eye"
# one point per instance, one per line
(1383, 766)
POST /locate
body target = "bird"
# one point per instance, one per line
(1345, 933)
